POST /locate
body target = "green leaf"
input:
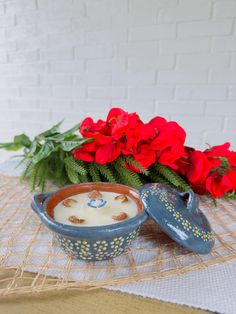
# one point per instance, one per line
(22, 161)
(155, 177)
(72, 175)
(94, 173)
(125, 175)
(22, 140)
(10, 146)
(42, 174)
(230, 195)
(224, 167)
(172, 177)
(131, 161)
(28, 168)
(34, 176)
(214, 201)
(52, 131)
(84, 178)
(71, 163)
(44, 152)
(106, 172)
(32, 149)
(57, 166)
(68, 146)
(67, 134)
(71, 137)
(19, 142)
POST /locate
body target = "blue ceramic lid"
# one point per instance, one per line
(178, 215)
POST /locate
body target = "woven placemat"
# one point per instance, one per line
(26, 245)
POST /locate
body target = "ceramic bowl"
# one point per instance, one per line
(94, 243)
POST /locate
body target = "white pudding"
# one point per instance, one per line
(95, 209)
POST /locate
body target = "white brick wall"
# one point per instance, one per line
(72, 58)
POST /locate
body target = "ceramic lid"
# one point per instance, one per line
(178, 215)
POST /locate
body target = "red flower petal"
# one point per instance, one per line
(200, 166)
(89, 147)
(108, 153)
(85, 156)
(158, 122)
(218, 185)
(220, 150)
(89, 127)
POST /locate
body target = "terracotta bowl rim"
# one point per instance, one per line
(53, 224)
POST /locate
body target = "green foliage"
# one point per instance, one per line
(172, 177)
(19, 141)
(22, 140)
(224, 167)
(94, 173)
(41, 175)
(58, 167)
(214, 202)
(48, 156)
(77, 171)
(106, 172)
(230, 195)
(53, 131)
(32, 149)
(44, 152)
(124, 175)
(28, 168)
(68, 146)
(34, 177)
(72, 174)
(131, 161)
(156, 177)
(68, 135)
(144, 179)
(76, 167)
(85, 178)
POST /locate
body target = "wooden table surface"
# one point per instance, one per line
(99, 301)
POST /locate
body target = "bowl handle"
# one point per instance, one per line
(38, 202)
(193, 200)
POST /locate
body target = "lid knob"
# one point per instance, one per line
(192, 201)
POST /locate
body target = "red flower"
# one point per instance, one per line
(134, 136)
(212, 171)
(108, 152)
(223, 178)
(232, 159)
(199, 168)
(106, 146)
(120, 122)
(89, 128)
(86, 152)
(209, 172)
(183, 162)
(232, 178)
(137, 142)
(117, 121)
(158, 123)
(101, 153)
(169, 142)
(144, 155)
(217, 185)
(220, 150)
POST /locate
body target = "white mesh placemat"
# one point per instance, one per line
(27, 245)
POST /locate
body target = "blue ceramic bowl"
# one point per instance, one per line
(90, 243)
